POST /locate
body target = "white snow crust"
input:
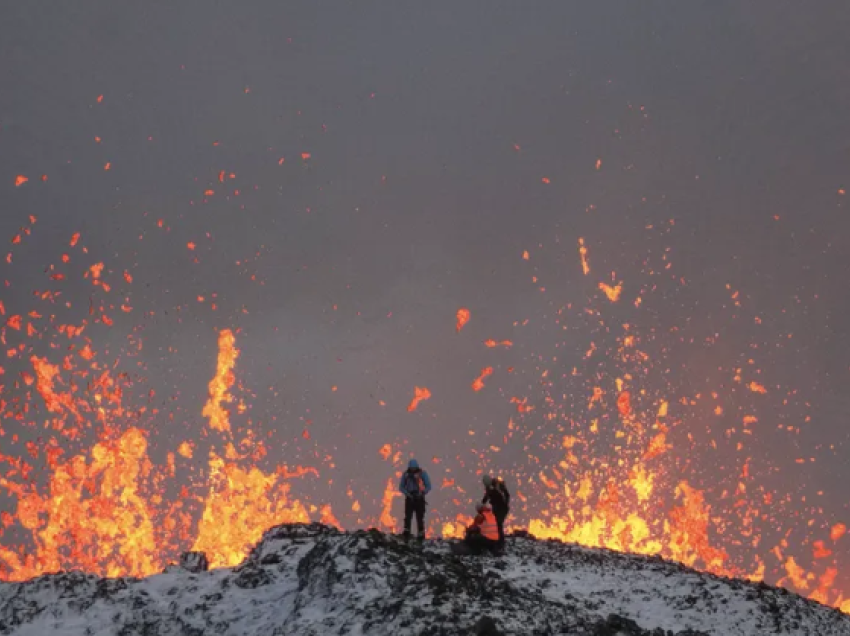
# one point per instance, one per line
(312, 580)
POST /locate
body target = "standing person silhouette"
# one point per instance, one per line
(414, 485)
(497, 495)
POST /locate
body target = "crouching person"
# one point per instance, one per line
(483, 535)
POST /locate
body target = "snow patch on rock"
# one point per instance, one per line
(311, 580)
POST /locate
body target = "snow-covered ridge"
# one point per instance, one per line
(314, 580)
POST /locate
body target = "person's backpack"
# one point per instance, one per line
(502, 489)
(413, 483)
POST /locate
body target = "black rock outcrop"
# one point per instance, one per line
(311, 580)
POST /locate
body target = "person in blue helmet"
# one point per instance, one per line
(414, 485)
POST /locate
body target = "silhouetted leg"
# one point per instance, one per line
(500, 524)
(408, 515)
(420, 516)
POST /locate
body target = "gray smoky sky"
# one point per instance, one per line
(430, 129)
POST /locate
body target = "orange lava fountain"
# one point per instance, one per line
(615, 479)
(104, 511)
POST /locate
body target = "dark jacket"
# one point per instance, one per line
(498, 497)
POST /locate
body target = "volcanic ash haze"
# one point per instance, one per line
(257, 262)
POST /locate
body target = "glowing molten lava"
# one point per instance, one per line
(615, 465)
(221, 383)
(419, 394)
(96, 518)
(582, 252)
(462, 318)
(104, 511)
(478, 383)
(241, 505)
(611, 291)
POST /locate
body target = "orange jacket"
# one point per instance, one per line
(486, 523)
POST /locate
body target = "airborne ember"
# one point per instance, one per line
(608, 480)
(528, 266)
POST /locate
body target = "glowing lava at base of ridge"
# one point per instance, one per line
(107, 511)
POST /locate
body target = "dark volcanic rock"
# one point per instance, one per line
(194, 562)
(251, 577)
(487, 627)
(311, 580)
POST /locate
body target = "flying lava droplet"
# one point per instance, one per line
(582, 250)
(220, 385)
(612, 292)
(419, 394)
(624, 403)
(478, 383)
(462, 318)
